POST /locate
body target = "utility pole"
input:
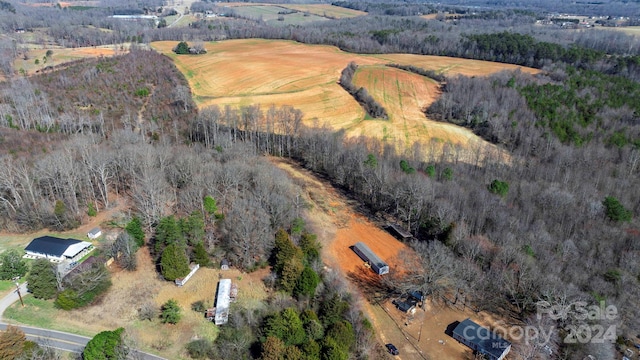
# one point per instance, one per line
(18, 290)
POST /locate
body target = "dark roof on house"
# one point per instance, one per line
(487, 342)
(50, 245)
(417, 295)
(404, 306)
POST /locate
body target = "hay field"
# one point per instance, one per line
(64, 55)
(275, 72)
(404, 95)
(326, 10)
(321, 10)
(271, 13)
(629, 30)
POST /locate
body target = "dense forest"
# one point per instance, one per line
(141, 90)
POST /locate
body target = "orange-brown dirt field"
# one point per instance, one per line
(276, 72)
(339, 226)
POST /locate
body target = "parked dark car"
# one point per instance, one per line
(392, 349)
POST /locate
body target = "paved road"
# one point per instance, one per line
(56, 339)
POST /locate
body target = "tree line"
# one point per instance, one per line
(360, 94)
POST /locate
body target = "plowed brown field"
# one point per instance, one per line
(274, 72)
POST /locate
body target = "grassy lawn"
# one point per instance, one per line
(40, 313)
(36, 312)
(6, 286)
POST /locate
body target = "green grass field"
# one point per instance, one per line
(40, 313)
(270, 15)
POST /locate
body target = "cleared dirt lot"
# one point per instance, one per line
(339, 225)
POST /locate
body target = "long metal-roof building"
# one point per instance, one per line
(57, 250)
(379, 266)
(222, 302)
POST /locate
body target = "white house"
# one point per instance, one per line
(57, 250)
(94, 233)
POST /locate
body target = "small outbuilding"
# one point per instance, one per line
(399, 232)
(377, 265)
(94, 233)
(224, 264)
(481, 340)
(56, 249)
(182, 281)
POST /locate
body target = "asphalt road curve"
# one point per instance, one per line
(57, 339)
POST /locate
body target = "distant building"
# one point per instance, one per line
(481, 340)
(57, 250)
(135, 17)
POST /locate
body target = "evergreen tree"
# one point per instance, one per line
(210, 205)
(92, 211)
(200, 255)
(311, 350)
(181, 48)
(342, 333)
(307, 283)
(59, 209)
(42, 280)
(13, 265)
(292, 353)
(314, 329)
(274, 326)
(167, 232)
(106, 345)
(170, 312)
(134, 228)
(294, 331)
(615, 211)
(310, 247)
(67, 300)
(332, 351)
(499, 187)
(174, 262)
(331, 310)
(284, 251)
(297, 226)
(371, 161)
(290, 274)
(430, 170)
(193, 228)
